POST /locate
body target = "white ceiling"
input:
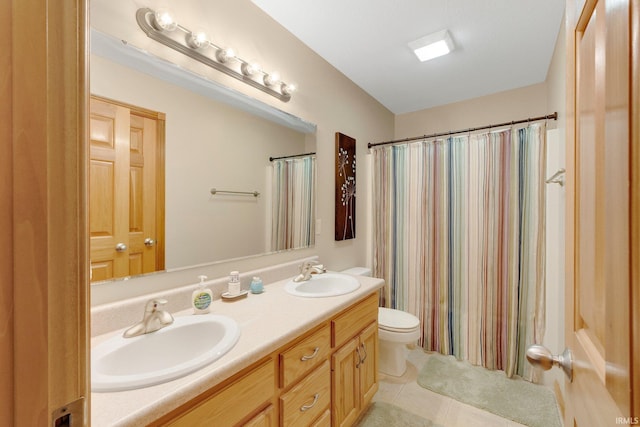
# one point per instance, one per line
(500, 44)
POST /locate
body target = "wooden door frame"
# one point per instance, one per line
(6, 216)
(45, 277)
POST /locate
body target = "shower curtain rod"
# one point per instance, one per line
(271, 159)
(553, 116)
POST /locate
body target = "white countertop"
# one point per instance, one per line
(267, 322)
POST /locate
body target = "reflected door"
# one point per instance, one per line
(600, 292)
(126, 190)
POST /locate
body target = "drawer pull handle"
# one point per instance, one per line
(315, 353)
(304, 408)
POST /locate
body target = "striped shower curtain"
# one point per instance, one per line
(459, 240)
(293, 207)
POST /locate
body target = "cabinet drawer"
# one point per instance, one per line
(309, 399)
(296, 361)
(324, 420)
(251, 390)
(354, 320)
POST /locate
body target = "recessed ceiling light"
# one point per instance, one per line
(432, 46)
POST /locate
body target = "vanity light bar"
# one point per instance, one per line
(161, 27)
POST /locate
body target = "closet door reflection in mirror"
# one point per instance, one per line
(126, 190)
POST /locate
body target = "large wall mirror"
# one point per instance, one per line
(214, 139)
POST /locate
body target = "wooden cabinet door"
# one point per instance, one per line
(126, 190)
(368, 368)
(266, 418)
(602, 287)
(345, 384)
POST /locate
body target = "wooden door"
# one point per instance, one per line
(108, 189)
(601, 215)
(369, 366)
(126, 190)
(143, 142)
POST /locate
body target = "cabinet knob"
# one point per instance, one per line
(149, 242)
(121, 247)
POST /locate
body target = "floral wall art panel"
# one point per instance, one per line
(345, 187)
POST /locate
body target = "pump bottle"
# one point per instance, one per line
(201, 298)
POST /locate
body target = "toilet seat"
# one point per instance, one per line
(397, 321)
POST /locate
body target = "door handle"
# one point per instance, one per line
(121, 247)
(539, 355)
(149, 242)
(364, 350)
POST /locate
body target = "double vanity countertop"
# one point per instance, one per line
(267, 322)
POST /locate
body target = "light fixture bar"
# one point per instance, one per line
(257, 78)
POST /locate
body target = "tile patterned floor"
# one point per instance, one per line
(407, 394)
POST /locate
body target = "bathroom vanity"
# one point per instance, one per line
(299, 361)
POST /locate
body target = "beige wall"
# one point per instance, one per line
(325, 97)
(516, 104)
(555, 220)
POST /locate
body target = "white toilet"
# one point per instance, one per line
(396, 330)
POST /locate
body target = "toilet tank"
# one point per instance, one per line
(358, 271)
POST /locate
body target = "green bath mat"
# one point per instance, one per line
(518, 400)
(381, 414)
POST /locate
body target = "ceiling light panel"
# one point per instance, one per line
(432, 46)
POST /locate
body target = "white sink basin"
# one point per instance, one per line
(188, 344)
(323, 285)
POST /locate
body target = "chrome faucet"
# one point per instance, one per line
(153, 319)
(307, 269)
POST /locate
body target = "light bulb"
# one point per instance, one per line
(250, 68)
(163, 20)
(271, 79)
(197, 40)
(223, 55)
(288, 88)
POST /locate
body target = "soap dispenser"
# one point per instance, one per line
(234, 284)
(201, 298)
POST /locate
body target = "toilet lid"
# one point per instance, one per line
(396, 320)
